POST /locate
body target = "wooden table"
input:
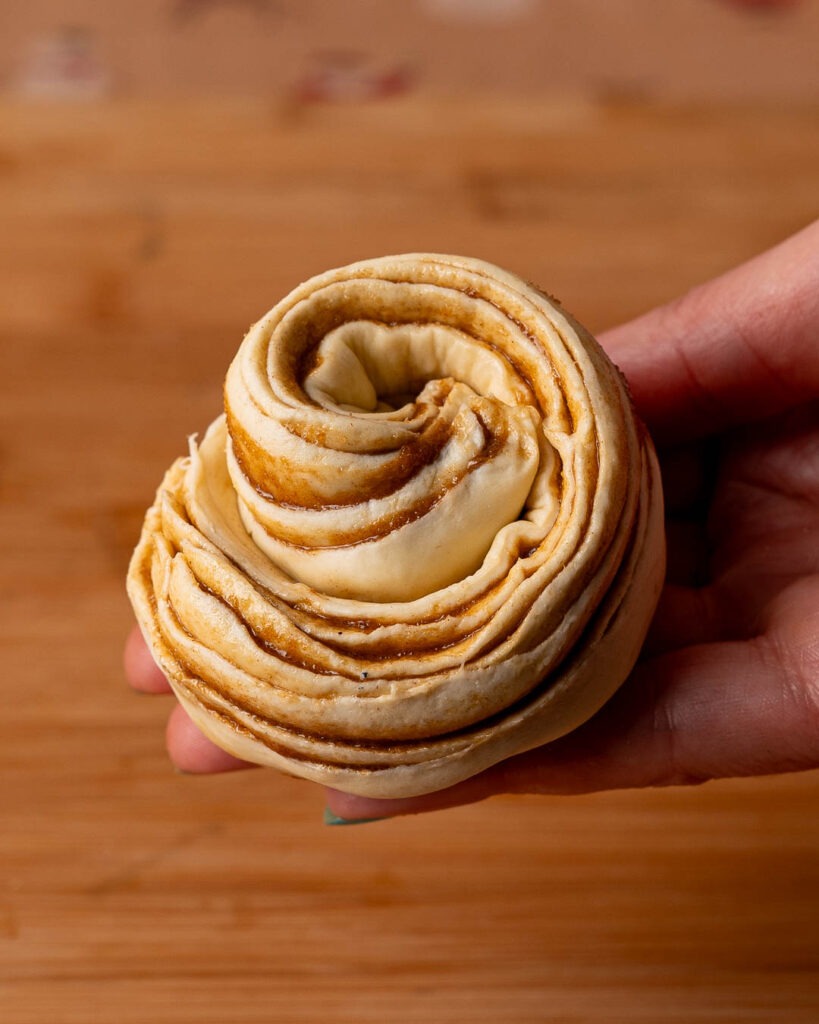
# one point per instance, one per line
(138, 242)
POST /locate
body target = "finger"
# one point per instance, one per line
(739, 348)
(721, 710)
(141, 670)
(191, 751)
(685, 616)
(706, 712)
(712, 711)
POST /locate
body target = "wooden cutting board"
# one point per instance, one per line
(138, 243)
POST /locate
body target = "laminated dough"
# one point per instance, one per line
(425, 534)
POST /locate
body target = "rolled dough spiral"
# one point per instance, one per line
(425, 535)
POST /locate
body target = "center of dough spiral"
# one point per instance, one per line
(380, 459)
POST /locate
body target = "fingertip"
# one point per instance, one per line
(192, 752)
(359, 808)
(347, 807)
(141, 671)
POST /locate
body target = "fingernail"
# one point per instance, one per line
(333, 819)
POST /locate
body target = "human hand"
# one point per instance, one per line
(727, 379)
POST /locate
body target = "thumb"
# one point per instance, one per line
(741, 347)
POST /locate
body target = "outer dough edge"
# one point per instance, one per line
(575, 698)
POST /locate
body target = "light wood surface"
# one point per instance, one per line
(138, 242)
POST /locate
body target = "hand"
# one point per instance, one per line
(727, 379)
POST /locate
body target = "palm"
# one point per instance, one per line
(748, 540)
(765, 516)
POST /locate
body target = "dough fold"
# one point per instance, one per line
(425, 535)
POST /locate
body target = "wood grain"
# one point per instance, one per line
(138, 242)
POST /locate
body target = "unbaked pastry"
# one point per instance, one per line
(425, 535)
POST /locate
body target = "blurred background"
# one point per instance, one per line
(170, 169)
(686, 49)
(183, 161)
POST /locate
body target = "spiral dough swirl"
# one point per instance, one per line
(425, 535)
